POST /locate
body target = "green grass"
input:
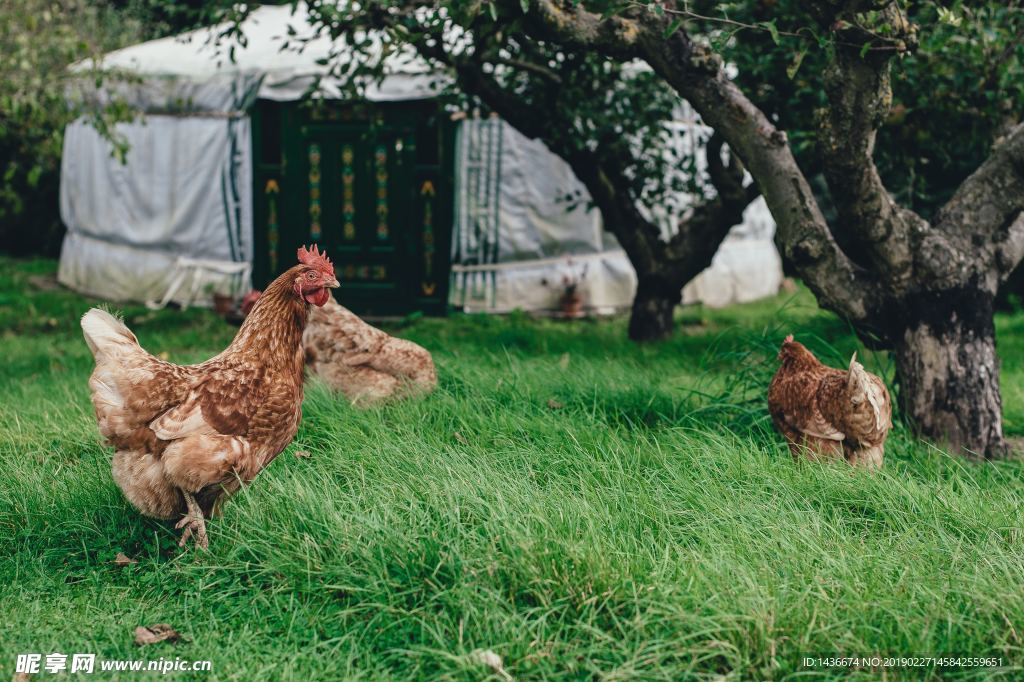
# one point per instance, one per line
(647, 524)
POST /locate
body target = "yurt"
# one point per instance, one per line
(234, 162)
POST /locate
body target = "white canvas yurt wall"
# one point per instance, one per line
(185, 190)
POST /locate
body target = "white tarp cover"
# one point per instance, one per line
(278, 61)
(185, 190)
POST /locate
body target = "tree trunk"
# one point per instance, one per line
(948, 373)
(653, 308)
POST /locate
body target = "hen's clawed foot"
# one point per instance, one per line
(194, 524)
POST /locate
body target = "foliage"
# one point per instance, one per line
(953, 95)
(639, 530)
(39, 39)
(163, 18)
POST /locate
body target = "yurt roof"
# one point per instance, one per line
(281, 56)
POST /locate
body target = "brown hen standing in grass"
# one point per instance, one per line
(829, 413)
(185, 437)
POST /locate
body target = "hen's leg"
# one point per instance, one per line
(193, 522)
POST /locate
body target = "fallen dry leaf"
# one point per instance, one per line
(302, 454)
(161, 632)
(554, 404)
(459, 437)
(164, 355)
(492, 661)
(121, 560)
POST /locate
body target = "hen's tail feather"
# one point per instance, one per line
(103, 332)
(861, 382)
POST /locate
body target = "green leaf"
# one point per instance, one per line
(772, 28)
(797, 61)
(33, 176)
(614, 9)
(673, 27)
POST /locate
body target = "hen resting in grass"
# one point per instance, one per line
(361, 361)
(829, 413)
(367, 365)
(185, 437)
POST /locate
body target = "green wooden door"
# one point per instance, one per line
(357, 198)
(369, 185)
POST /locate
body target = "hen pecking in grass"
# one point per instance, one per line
(829, 413)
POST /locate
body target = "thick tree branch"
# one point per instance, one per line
(802, 232)
(860, 95)
(615, 35)
(988, 205)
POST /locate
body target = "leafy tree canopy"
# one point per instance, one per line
(956, 88)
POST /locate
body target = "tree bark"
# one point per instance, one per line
(949, 372)
(652, 315)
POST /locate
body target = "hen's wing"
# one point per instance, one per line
(868, 411)
(793, 404)
(207, 431)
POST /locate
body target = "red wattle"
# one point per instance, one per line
(317, 297)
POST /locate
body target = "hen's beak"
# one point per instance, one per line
(333, 284)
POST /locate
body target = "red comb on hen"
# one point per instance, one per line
(316, 259)
(789, 339)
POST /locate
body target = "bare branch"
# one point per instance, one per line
(523, 65)
(701, 234)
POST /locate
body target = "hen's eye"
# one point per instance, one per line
(310, 275)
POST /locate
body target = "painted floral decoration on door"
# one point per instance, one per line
(314, 191)
(381, 162)
(348, 193)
